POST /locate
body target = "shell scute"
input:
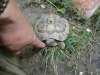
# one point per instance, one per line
(52, 26)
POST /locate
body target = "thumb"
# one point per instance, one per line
(17, 52)
(38, 44)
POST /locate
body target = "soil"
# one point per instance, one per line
(32, 64)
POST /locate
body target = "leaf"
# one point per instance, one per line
(29, 1)
(61, 10)
(74, 35)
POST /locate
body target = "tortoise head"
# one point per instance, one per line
(51, 42)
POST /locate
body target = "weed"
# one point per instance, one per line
(78, 43)
(36, 1)
(79, 40)
(51, 56)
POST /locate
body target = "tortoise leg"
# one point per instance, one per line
(61, 45)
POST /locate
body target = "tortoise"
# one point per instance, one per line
(52, 29)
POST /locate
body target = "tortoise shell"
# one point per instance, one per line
(51, 26)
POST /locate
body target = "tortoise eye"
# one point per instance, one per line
(50, 21)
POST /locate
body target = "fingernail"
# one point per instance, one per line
(17, 52)
(42, 44)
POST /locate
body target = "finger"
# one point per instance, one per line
(37, 43)
(17, 52)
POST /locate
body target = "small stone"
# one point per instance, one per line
(88, 30)
(81, 73)
(43, 6)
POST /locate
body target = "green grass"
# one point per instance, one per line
(51, 57)
(79, 40)
(78, 43)
(30, 1)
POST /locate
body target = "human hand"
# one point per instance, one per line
(15, 31)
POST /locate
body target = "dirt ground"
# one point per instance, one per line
(32, 64)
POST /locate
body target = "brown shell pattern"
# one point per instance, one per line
(51, 26)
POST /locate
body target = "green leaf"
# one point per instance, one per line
(61, 10)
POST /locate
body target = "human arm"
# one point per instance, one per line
(15, 30)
